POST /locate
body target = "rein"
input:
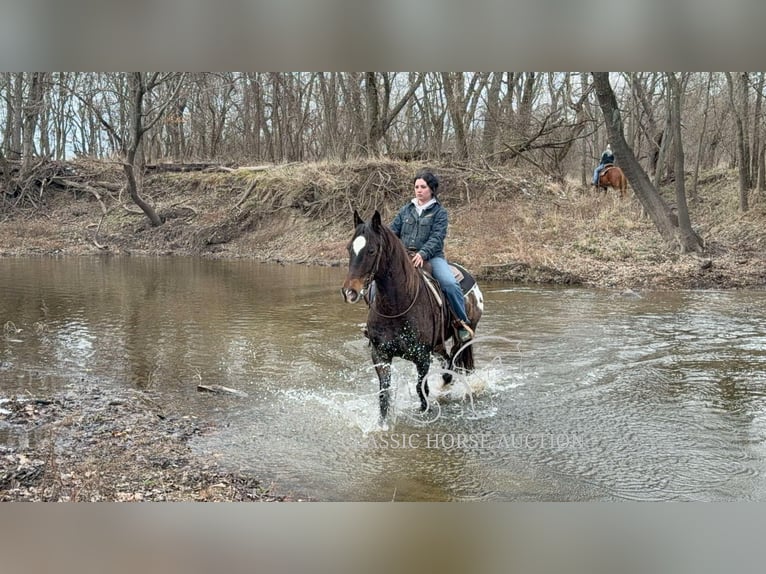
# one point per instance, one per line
(407, 310)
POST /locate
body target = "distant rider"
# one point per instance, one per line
(606, 158)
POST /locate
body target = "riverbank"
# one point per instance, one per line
(91, 445)
(506, 224)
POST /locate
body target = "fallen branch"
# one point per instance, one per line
(81, 187)
(95, 236)
(246, 194)
(182, 167)
(255, 168)
(220, 389)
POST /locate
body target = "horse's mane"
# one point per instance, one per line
(399, 258)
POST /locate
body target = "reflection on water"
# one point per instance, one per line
(580, 394)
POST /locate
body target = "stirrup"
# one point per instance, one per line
(464, 328)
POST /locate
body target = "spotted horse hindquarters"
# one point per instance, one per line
(460, 355)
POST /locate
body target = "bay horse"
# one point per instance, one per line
(612, 176)
(406, 318)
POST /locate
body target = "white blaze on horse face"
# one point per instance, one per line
(358, 244)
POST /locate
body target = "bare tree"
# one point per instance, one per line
(530, 117)
(13, 115)
(330, 132)
(524, 115)
(757, 176)
(654, 205)
(433, 114)
(137, 120)
(32, 108)
(454, 92)
(662, 150)
(492, 115)
(461, 103)
(647, 95)
(380, 113)
(706, 109)
(738, 107)
(141, 121)
(687, 237)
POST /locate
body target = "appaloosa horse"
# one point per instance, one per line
(408, 318)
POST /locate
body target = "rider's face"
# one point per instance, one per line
(422, 191)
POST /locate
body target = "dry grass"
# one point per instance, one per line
(505, 223)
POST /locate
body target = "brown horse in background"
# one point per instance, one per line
(405, 318)
(612, 176)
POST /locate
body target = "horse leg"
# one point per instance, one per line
(383, 369)
(422, 366)
(446, 364)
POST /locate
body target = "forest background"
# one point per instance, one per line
(270, 165)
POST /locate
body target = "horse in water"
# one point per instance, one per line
(612, 176)
(408, 318)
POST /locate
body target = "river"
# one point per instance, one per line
(579, 394)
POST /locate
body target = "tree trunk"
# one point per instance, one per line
(755, 149)
(14, 115)
(379, 113)
(137, 91)
(655, 207)
(693, 193)
(330, 129)
(744, 100)
(492, 115)
(741, 160)
(374, 133)
(687, 237)
(762, 169)
(352, 93)
(453, 91)
(524, 116)
(31, 115)
(662, 152)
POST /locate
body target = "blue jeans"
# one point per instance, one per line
(595, 173)
(443, 274)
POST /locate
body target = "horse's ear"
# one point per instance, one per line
(376, 221)
(357, 219)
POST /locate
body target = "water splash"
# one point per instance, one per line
(360, 410)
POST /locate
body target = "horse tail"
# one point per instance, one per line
(623, 185)
(464, 359)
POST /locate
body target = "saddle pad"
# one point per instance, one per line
(463, 277)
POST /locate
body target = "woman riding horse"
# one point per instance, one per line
(406, 318)
(606, 158)
(422, 226)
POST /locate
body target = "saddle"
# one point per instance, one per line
(461, 274)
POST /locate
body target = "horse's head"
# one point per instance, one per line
(364, 252)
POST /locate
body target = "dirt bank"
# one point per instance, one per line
(505, 224)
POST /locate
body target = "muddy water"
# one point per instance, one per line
(580, 394)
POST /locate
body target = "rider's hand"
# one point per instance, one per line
(417, 260)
